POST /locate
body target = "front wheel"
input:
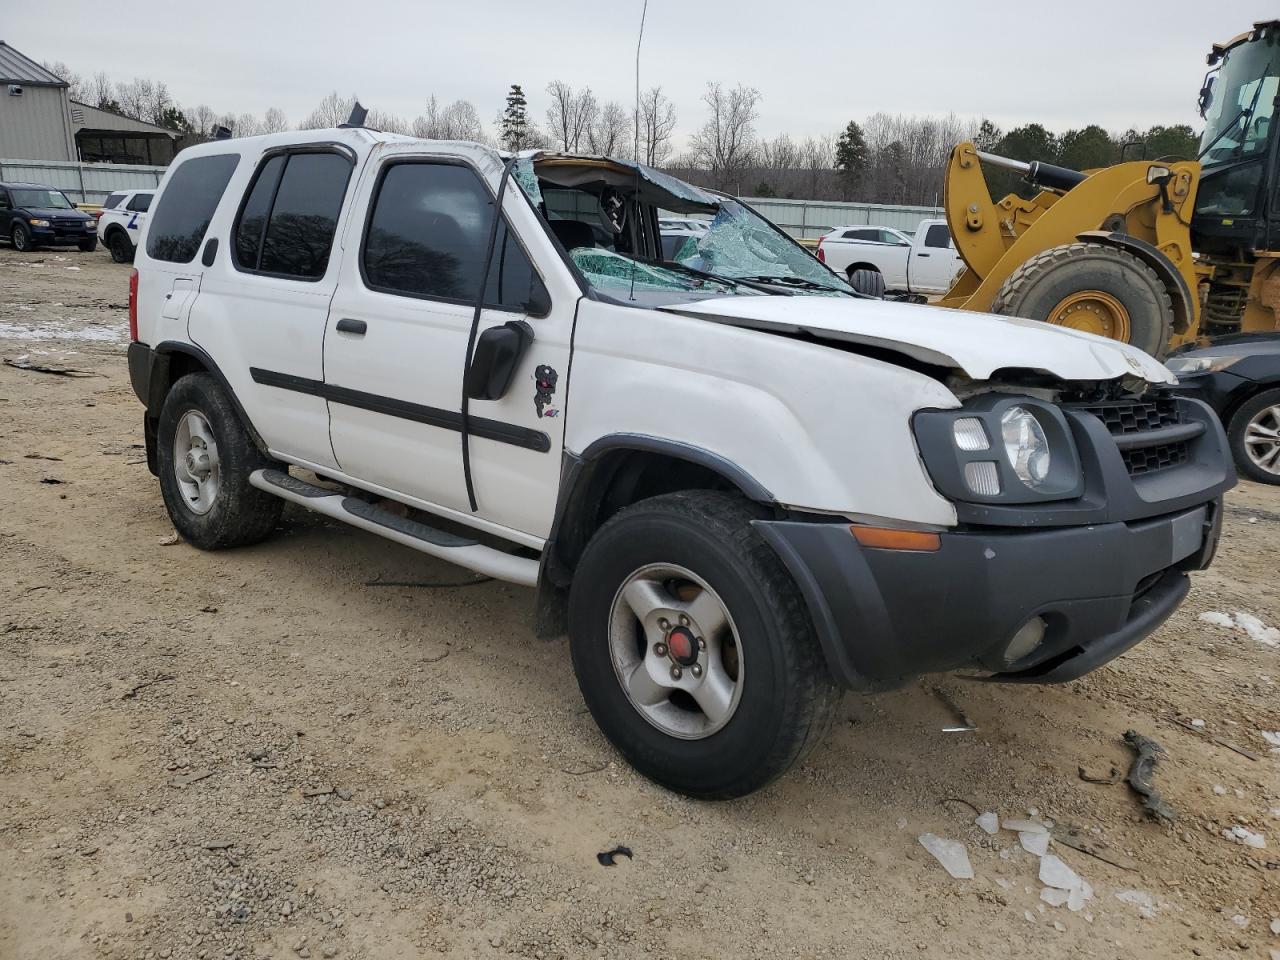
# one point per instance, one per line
(205, 456)
(20, 237)
(120, 247)
(693, 648)
(1254, 435)
(88, 246)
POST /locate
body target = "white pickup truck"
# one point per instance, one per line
(924, 264)
(737, 485)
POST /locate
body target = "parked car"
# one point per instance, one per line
(737, 485)
(1239, 377)
(925, 264)
(120, 223)
(33, 215)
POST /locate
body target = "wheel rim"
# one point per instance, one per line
(676, 651)
(195, 462)
(19, 239)
(1093, 311)
(1262, 439)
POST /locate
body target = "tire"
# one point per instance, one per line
(868, 282)
(227, 512)
(1039, 289)
(20, 237)
(784, 698)
(121, 249)
(1254, 419)
(88, 246)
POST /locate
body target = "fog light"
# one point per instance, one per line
(1029, 636)
(983, 478)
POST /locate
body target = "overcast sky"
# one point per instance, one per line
(817, 63)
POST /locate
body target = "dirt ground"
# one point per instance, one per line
(283, 751)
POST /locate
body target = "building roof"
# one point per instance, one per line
(17, 68)
(87, 117)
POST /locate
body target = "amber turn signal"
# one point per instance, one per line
(887, 538)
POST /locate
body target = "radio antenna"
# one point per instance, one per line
(635, 156)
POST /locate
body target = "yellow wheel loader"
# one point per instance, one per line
(1148, 252)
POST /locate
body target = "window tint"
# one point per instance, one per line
(428, 235)
(112, 201)
(4, 200)
(296, 198)
(253, 218)
(187, 206)
(872, 235)
(140, 203)
(938, 236)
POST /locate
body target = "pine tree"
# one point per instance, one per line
(851, 158)
(515, 121)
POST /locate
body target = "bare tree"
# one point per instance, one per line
(818, 157)
(726, 142)
(458, 121)
(200, 121)
(274, 121)
(77, 89)
(100, 92)
(386, 122)
(247, 125)
(571, 115)
(332, 110)
(654, 125)
(610, 132)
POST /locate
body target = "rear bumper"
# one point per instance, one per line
(885, 616)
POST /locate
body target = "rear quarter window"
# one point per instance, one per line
(112, 201)
(187, 205)
(140, 203)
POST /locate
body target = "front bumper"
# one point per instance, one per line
(885, 616)
(60, 235)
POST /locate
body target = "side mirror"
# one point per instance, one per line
(1206, 95)
(497, 355)
(1158, 174)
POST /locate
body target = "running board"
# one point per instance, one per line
(437, 543)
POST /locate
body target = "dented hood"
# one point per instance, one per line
(978, 344)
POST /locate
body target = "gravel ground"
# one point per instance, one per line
(265, 753)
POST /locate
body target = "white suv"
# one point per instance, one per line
(121, 222)
(739, 486)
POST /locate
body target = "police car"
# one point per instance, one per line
(123, 214)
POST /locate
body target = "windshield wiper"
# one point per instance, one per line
(1246, 113)
(791, 281)
(704, 275)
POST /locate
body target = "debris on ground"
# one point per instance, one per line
(1077, 840)
(1245, 836)
(950, 853)
(169, 541)
(23, 364)
(1036, 844)
(966, 725)
(1142, 776)
(609, 857)
(1145, 903)
(1106, 779)
(1247, 622)
(133, 691)
(989, 822)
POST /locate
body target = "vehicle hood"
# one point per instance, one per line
(55, 213)
(978, 344)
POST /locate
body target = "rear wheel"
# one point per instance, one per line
(693, 648)
(120, 247)
(1094, 288)
(868, 281)
(205, 456)
(1254, 435)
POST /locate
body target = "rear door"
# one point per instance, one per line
(264, 297)
(134, 214)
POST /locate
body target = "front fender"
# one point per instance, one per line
(820, 427)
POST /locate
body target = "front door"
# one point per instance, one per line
(395, 348)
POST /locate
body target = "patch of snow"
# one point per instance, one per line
(62, 330)
(1218, 619)
(1247, 837)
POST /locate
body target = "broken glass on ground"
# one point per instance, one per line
(1036, 844)
(989, 822)
(950, 853)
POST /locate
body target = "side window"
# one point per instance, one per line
(889, 237)
(290, 215)
(187, 206)
(865, 235)
(112, 201)
(427, 236)
(139, 203)
(4, 200)
(938, 236)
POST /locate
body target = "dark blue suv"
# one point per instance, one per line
(33, 215)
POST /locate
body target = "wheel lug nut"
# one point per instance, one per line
(676, 673)
(696, 670)
(702, 643)
(660, 649)
(684, 620)
(664, 623)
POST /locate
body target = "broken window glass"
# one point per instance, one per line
(604, 268)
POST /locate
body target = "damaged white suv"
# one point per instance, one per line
(741, 487)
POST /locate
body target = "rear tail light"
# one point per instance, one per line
(133, 305)
(822, 257)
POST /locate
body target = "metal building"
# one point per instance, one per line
(39, 121)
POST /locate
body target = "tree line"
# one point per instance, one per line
(886, 158)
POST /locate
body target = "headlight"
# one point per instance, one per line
(1026, 446)
(38, 223)
(1186, 366)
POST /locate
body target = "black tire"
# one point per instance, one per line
(868, 281)
(788, 698)
(88, 246)
(1036, 287)
(20, 237)
(121, 249)
(240, 514)
(1255, 407)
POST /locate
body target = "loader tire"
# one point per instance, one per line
(1094, 288)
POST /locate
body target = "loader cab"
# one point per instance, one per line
(1238, 202)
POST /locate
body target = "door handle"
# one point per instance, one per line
(924, 254)
(347, 325)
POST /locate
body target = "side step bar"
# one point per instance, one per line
(437, 543)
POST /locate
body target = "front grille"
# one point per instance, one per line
(1125, 418)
